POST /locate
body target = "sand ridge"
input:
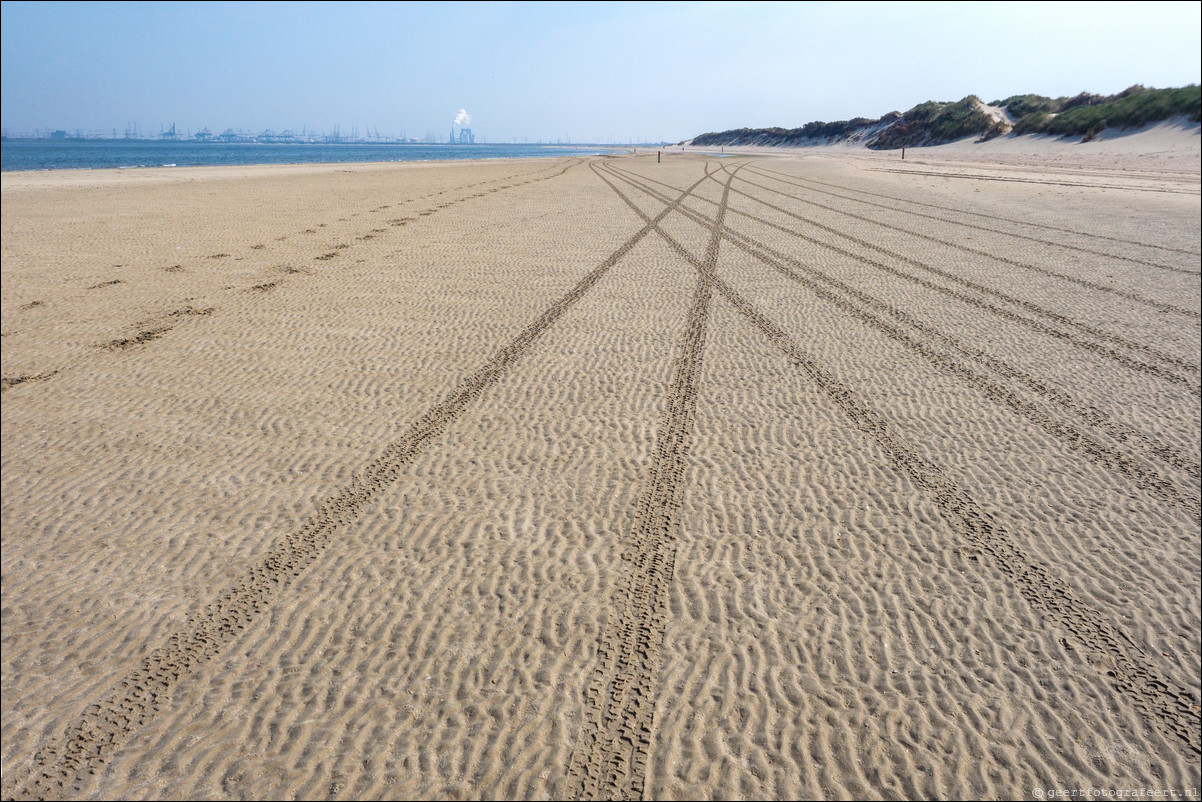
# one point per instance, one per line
(766, 477)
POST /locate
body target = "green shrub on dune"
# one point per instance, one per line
(1088, 115)
(1032, 123)
(1021, 106)
(1132, 108)
(932, 123)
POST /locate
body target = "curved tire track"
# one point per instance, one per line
(1142, 476)
(1154, 449)
(1044, 328)
(1171, 709)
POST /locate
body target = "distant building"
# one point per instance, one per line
(466, 137)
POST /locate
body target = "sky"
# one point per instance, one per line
(585, 72)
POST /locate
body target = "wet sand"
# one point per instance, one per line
(811, 475)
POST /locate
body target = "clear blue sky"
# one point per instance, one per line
(589, 72)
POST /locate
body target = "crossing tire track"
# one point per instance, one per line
(61, 765)
(967, 283)
(1081, 282)
(1167, 707)
(1030, 306)
(971, 300)
(806, 183)
(1099, 348)
(610, 758)
(1096, 451)
(841, 295)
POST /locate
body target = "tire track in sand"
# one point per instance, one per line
(1160, 306)
(62, 764)
(1154, 449)
(1171, 709)
(1044, 226)
(1132, 671)
(841, 295)
(1129, 668)
(610, 758)
(1097, 345)
(809, 184)
(1017, 180)
(156, 328)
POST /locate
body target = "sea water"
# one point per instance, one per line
(69, 154)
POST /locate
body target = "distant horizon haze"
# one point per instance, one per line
(585, 72)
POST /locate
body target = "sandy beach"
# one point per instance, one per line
(769, 475)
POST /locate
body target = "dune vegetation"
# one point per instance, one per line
(934, 122)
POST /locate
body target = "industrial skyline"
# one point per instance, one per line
(370, 135)
(460, 134)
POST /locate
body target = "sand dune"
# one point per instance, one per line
(817, 475)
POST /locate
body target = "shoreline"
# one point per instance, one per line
(32, 178)
(187, 154)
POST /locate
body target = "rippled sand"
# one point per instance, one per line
(822, 476)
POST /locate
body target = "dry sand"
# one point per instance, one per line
(823, 475)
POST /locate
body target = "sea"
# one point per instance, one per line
(99, 154)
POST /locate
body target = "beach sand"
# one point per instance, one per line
(779, 475)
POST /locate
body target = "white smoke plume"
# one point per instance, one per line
(463, 118)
